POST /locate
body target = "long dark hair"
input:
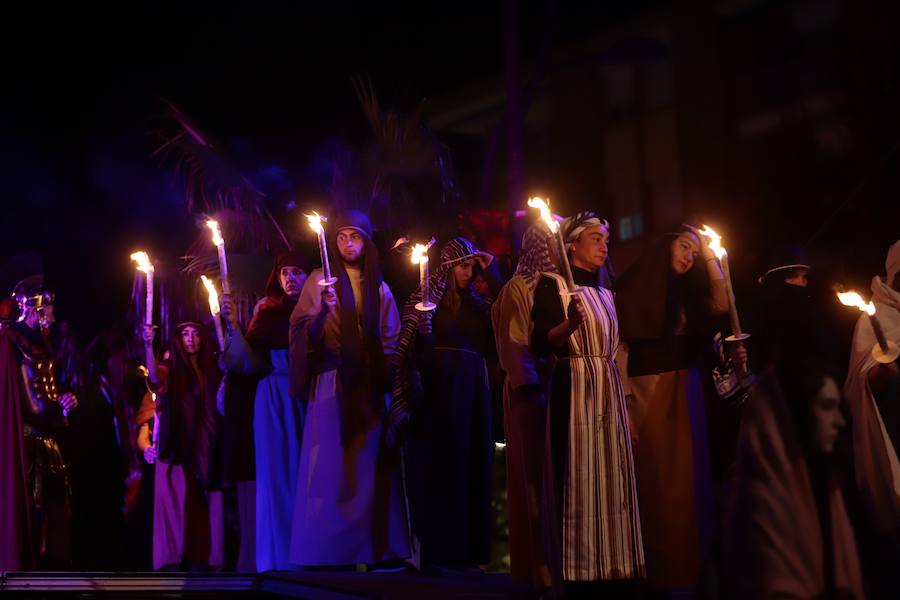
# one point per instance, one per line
(650, 296)
(189, 427)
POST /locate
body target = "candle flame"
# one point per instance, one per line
(546, 215)
(213, 295)
(854, 299)
(142, 261)
(143, 371)
(315, 221)
(715, 241)
(216, 232)
(420, 252)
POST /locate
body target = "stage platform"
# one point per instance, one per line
(331, 585)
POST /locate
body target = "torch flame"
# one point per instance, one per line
(546, 215)
(142, 261)
(315, 221)
(715, 241)
(216, 232)
(854, 299)
(213, 295)
(420, 252)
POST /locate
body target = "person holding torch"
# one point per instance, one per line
(349, 506)
(667, 302)
(263, 424)
(593, 477)
(873, 392)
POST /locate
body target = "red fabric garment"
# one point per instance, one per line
(16, 541)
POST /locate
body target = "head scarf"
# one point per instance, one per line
(649, 295)
(363, 378)
(269, 327)
(536, 254)
(453, 253)
(572, 228)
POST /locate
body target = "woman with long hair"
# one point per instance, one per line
(787, 534)
(188, 522)
(667, 303)
(449, 445)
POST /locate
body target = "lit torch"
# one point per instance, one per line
(420, 257)
(219, 242)
(553, 226)
(884, 351)
(715, 244)
(143, 264)
(214, 309)
(315, 223)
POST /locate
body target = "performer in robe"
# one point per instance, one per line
(349, 505)
(34, 501)
(787, 534)
(666, 305)
(593, 472)
(188, 515)
(873, 392)
(268, 420)
(525, 394)
(449, 443)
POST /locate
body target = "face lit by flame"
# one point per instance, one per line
(546, 215)
(854, 299)
(715, 241)
(142, 261)
(315, 222)
(216, 233)
(213, 295)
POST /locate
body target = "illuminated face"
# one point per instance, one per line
(350, 243)
(462, 273)
(591, 248)
(797, 278)
(684, 251)
(292, 280)
(190, 340)
(827, 418)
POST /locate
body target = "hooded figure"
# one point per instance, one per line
(349, 503)
(525, 407)
(450, 447)
(873, 391)
(786, 531)
(666, 303)
(264, 424)
(596, 536)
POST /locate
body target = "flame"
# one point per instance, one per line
(142, 261)
(546, 215)
(216, 232)
(854, 299)
(315, 221)
(420, 252)
(715, 241)
(143, 371)
(213, 295)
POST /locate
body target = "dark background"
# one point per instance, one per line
(271, 81)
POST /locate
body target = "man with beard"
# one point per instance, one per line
(349, 504)
(262, 420)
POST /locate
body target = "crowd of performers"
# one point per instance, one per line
(344, 429)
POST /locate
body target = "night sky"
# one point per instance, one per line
(270, 81)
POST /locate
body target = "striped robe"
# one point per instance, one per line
(600, 537)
